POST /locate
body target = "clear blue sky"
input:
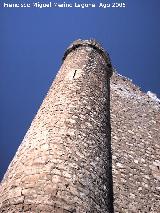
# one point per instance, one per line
(32, 43)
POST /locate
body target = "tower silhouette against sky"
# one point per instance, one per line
(64, 162)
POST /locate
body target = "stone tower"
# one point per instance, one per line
(135, 122)
(64, 161)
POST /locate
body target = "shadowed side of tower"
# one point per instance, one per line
(64, 161)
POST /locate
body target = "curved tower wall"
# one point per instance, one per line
(64, 161)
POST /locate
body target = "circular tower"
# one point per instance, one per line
(64, 162)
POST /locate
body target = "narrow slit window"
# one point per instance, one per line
(74, 73)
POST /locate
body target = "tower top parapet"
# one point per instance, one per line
(89, 43)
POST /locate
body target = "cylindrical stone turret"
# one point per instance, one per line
(64, 162)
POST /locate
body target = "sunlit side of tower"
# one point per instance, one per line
(64, 161)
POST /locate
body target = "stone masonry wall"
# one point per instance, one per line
(47, 165)
(64, 162)
(135, 121)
